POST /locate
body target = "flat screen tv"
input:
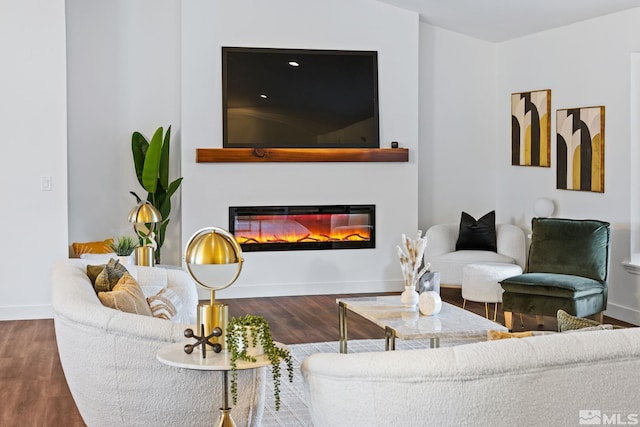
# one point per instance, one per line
(291, 98)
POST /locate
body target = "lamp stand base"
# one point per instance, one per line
(145, 256)
(225, 418)
(214, 316)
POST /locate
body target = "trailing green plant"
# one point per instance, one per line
(253, 330)
(124, 246)
(151, 160)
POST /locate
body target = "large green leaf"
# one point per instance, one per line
(164, 205)
(152, 162)
(160, 238)
(160, 198)
(164, 160)
(173, 187)
(139, 147)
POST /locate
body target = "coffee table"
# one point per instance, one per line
(409, 324)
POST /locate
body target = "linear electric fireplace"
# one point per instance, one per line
(291, 228)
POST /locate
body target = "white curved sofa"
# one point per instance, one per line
(109, 357)
(442, 255)
(543, 380)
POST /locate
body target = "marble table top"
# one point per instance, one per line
(174, 355)
(410, 324)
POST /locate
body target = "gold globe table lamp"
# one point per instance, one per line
(144, 217)
(213, 259)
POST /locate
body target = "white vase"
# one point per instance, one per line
(409, 297)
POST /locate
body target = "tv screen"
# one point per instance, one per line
(291, 98)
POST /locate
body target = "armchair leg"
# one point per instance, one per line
(508, 319)
(486, 310)
(521, 320)
(464, 304)
(540, 320)
(600, 317)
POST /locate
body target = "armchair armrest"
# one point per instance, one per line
(512, 242)
(441, 239)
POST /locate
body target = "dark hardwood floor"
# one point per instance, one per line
(34, 392)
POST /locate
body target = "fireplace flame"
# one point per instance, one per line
(301, 228)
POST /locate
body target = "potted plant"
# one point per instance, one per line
(244, 335)
(151, 161)
(124, 247)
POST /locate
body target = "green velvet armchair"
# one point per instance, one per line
(567, 269)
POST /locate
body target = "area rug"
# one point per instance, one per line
(293, 408)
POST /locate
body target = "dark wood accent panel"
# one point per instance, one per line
(260, 155)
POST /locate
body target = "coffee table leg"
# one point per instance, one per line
(342, 326)
(389, 339)
(434, 342)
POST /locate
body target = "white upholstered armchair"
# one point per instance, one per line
(442, 255)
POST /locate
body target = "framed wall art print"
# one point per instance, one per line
(531, 128)
(580, 149)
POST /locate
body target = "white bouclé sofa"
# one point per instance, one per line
(109, 357)
(536, 381)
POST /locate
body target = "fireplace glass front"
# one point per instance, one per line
(290, 228)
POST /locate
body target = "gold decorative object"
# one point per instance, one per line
(144, 217)
(213, 259)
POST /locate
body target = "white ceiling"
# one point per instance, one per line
(500, 20)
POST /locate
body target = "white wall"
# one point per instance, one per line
(209, 189)
(634, 160)
(124, 76)
(33, 121)
(585, 64)
(457, 168)
(469, 167)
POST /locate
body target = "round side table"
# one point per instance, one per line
(174, 355)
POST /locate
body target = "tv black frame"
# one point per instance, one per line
(376, 106)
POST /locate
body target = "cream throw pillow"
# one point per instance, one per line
(126, 296)
(165, 304)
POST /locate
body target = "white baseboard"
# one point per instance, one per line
(299, 289)
(623, 313)
(26, 312)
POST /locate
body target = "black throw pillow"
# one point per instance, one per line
(477, 235)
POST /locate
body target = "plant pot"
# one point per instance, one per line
(252, 351)
(127, 260)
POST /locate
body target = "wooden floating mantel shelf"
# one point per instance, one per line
(258, 155)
